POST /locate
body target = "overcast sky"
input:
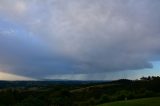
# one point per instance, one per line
(79, 39)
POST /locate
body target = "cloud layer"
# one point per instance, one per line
(39, 38)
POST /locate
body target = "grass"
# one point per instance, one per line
(138, 102)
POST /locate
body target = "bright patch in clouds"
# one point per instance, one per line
(11, 77)
(20, 7)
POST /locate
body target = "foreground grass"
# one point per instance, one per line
(138, 102)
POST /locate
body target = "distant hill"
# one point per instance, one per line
(46, 82)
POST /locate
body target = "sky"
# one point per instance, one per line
(79, 39)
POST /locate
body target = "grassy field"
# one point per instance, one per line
(137, 102)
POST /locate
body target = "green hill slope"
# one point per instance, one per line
(137, 102)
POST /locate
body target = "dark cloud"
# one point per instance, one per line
(39, 38)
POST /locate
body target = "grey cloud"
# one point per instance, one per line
(88, 36)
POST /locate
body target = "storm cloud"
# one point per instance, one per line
(56, 37)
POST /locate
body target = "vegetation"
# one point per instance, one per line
(137, 102)
(77, 93)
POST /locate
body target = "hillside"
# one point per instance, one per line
(76, 93)
(137, 102)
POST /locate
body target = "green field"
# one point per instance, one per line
(137, 102)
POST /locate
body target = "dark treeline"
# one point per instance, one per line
(72, 94)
